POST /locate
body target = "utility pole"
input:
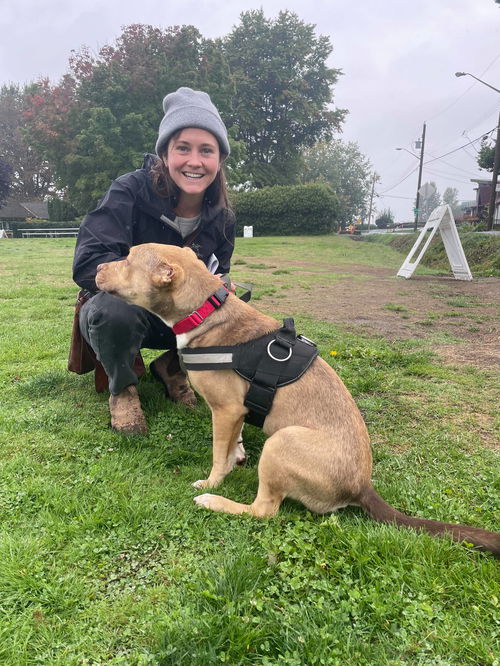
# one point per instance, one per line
(417, 202)
(496, 159)
(494, 179)
(375, 178)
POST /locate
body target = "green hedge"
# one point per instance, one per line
(296, 210)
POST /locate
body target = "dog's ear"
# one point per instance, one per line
(163, 274)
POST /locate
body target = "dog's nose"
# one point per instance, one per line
(99, 267)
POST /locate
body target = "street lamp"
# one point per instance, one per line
(496, 159)
(421, 158)
(480, 80)
(409, 151)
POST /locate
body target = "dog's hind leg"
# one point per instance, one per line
(263, 506)
(296, 462)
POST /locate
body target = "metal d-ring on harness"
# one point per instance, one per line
(280, 360)
(269, 362)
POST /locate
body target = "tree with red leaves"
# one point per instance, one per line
(31, 174)
(104, 114)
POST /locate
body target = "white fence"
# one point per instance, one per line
(49, 233)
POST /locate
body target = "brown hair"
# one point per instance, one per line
(215, 194)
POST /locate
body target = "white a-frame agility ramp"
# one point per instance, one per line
(441, 218)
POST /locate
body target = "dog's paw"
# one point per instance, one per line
(205, 500)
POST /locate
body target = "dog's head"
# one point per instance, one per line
(164, 279)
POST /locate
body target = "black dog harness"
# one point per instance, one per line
(269, 362)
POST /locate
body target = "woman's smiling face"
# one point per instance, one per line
(193, 160)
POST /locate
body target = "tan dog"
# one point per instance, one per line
(318, 450)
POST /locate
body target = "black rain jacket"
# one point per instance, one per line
(130, 214)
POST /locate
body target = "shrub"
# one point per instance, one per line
(287, 210)
(385, 219)
(60, 210)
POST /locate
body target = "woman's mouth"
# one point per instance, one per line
(192, 176)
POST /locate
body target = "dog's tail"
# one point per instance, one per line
(378, 509)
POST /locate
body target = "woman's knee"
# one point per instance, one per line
(108, 313)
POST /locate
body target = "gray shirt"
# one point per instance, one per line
(184, 225)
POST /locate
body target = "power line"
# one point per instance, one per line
(435, 159)
(451, 177)
(465, 91)
(401, 181)
(394, 196)
(493, 110)
(461, 147)
(473, 157)
(466, 172)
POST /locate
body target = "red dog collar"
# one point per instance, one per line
(193, 320)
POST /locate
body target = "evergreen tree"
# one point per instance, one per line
(428, 203)
(450, 197)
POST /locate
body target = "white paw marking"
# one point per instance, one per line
(240, 453)
(199, 484)
(203, 500)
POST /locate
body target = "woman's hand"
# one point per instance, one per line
(228, 283)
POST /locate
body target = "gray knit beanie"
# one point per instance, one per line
(190, 108)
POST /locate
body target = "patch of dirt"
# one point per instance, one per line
(380, 303)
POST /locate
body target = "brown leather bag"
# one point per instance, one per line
(82, 358)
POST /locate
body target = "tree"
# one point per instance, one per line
(268, 79)
(486, 155)
(5, 181)
(97, 122)
(346, 170)
(32, 175)
(283, 89)
(385, 219)
(428, 203)
(450, 197)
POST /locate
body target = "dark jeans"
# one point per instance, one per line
(116, 331)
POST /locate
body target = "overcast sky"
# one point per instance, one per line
(398, 59)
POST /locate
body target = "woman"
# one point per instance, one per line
(178, 198)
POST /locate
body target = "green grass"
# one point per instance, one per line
(306, 261)
(394, 307)
(482, 251)
(104, 558)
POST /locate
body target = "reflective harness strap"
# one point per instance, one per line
(276, 359)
